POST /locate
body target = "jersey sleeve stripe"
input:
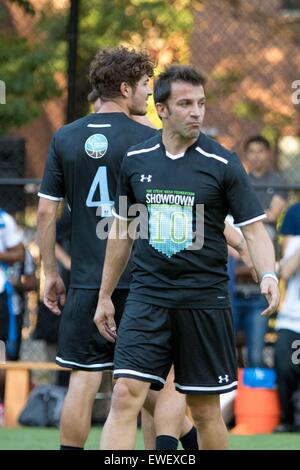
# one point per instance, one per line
(136, 152)
(51, 198)
(212, 155)
(251, 221)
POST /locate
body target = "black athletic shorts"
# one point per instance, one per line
(200, 343)
(80, 345)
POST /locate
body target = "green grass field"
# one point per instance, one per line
(48, 439)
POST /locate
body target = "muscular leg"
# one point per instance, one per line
(206, 413)
(119, 431)
(77, 410)
(148, 430)
(169, 417)
(170, 410)
(148, 419)
(187, 424)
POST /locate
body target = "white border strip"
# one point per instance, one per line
(175, 157)
(135, 152)
(98, 125)
(51, 198)
(200, 389)
(139, 374)
(251, 221)
(117, 216)
(87, 366)
(212, 155)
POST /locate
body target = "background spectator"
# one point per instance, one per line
(249, 303)
(288, 321)
(11, 251)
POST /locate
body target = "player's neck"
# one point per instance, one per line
(115, 106)
(176, 144)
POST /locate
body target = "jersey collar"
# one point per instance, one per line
(179, 155)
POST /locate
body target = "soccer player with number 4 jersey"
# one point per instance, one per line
(83, 165)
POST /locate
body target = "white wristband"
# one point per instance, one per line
(271, 275)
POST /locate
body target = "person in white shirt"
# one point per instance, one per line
(11, 251)
(287, 361)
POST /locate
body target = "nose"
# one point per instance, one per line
(196, 111)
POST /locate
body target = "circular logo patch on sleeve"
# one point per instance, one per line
(96, 146)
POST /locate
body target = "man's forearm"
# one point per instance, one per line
(46, 236)
(233, 237)
(260, 247)
(116, 259)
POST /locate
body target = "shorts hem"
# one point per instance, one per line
(86, 367)
(137, 375)
(205, 390)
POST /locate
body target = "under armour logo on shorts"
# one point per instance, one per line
(224, 378)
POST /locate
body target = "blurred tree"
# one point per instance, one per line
(26, 5)
(163, 28)
(35, 69)
(30, 68)
(27, 71)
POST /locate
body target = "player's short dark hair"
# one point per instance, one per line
(175, 73)
(111, 67)
(93, 96)
(257, 139)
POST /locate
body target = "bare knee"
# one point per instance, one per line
(205, 410)
(126, 396)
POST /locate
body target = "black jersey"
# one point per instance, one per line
(83, 165)
(182, 262)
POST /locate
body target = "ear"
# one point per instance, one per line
(162, 110)
(125, 89)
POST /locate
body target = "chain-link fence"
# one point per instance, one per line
(249, 51)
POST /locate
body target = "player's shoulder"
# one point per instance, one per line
(126, 124)
(147, 146)
(71, 128)
(209, 147)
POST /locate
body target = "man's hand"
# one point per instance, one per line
(269, 288)
(104, 319)
(54, 294)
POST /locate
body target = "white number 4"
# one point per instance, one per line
(100, 183)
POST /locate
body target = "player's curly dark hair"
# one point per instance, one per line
(111, 67)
